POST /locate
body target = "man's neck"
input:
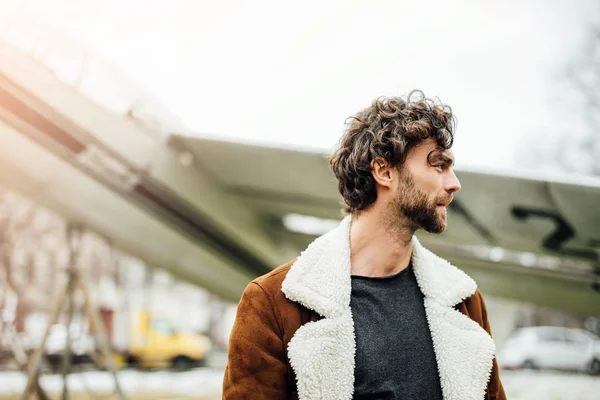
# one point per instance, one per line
(378, 247)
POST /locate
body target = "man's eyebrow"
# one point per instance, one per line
(446, 159)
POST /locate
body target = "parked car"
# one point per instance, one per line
(82, 343)
(551, 347)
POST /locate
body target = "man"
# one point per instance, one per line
(366, 312)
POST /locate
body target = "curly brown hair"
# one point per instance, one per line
(388, 129)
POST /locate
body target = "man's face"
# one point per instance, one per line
(425, 187)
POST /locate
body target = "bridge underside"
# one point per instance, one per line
(212, 212)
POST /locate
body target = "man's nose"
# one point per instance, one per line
(452, 184)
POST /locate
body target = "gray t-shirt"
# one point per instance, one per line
(394, 350)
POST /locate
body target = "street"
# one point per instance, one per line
(549, 385)
(205, 384)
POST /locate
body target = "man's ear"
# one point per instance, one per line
(381, 171)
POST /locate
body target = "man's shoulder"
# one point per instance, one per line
(271, 282)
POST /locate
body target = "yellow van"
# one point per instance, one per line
(153, 343)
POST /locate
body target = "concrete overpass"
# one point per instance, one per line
(213, 212)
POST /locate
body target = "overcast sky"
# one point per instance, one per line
(288, 73)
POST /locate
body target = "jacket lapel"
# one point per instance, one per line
(464, 350)
(321, 353)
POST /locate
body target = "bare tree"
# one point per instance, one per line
(12, 222)
(572, 144)
(583, 73)
(23, 232)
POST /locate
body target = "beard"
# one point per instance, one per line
(413, 204)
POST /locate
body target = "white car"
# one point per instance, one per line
(551, 347)
(82, 342)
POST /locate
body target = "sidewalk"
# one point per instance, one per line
(205, 384)
(199, 384)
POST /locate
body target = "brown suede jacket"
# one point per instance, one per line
(293, 335)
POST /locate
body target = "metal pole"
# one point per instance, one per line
(37, 355)
(100, 333)
(73, 243)
(67, 354)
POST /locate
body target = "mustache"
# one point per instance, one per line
(446, 200)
